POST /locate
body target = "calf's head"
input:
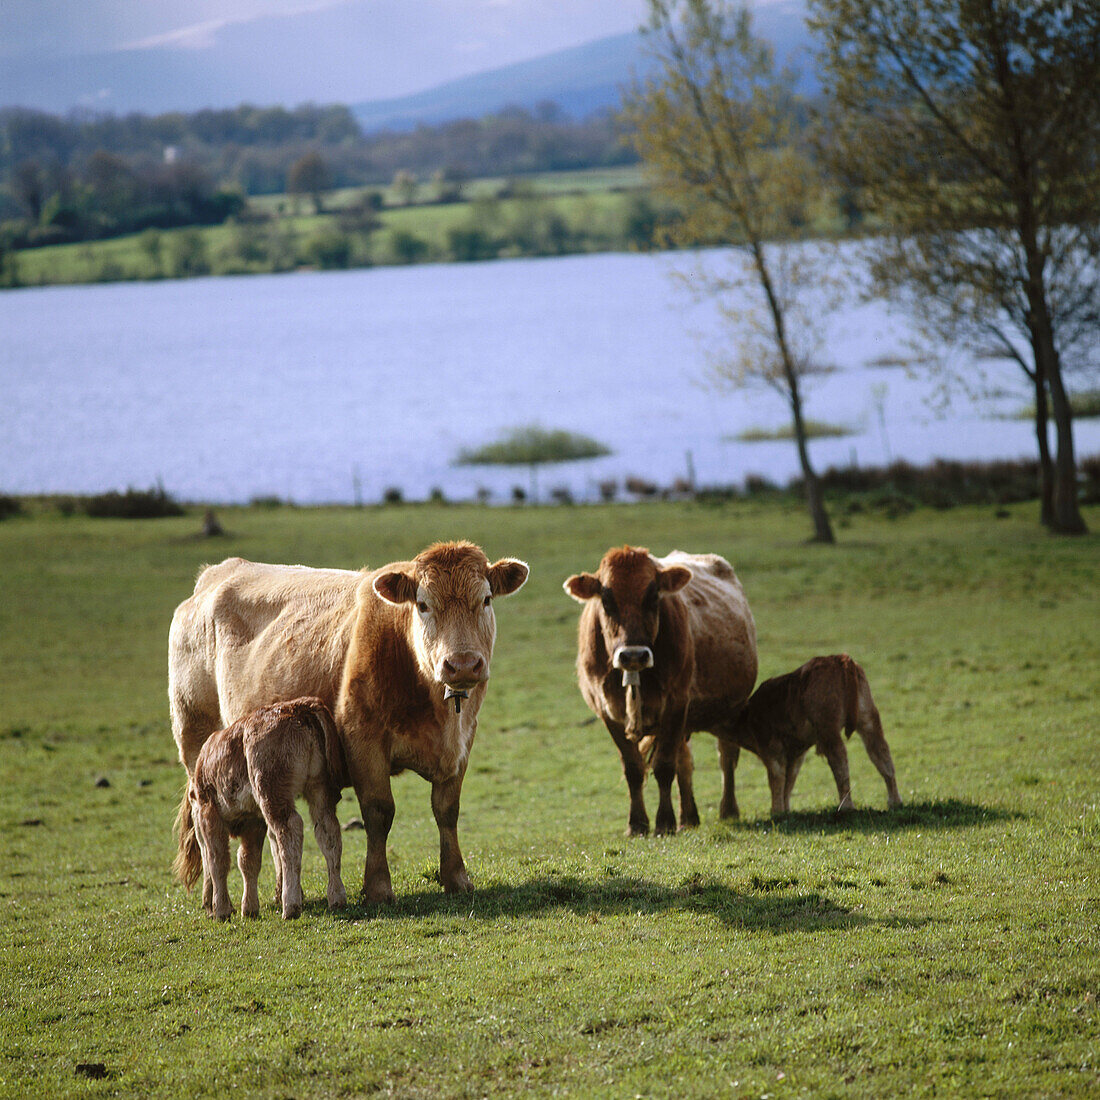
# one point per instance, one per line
(451, 586)
(629, 586)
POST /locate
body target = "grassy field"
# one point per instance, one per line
(949, 948)
(591, 205)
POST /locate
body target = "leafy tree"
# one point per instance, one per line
(309, 175)
(405, 186)
(973, 128)
(714, 123)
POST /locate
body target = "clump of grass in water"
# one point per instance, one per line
(815, 429)
(1085, 406)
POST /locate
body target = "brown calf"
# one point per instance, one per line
(245, 783)
(808, 708)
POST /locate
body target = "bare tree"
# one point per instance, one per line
(972, 128)
(715, 125)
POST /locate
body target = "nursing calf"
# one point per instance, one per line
(244, 784)
(810, 708)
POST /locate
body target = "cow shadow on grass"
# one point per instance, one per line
(760, 906)
(946, 813)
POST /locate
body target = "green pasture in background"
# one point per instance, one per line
(948, 948)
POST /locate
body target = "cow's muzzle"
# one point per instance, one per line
(632, 658)
(462, 671)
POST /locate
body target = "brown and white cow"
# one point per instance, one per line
(666, 646)
(401, 654)
(246, 780)
(809, 708)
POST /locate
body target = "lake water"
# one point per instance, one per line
(328, 387)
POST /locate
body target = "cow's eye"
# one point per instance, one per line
(422, 607)
(488, 600)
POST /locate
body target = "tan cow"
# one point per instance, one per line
(401, 654)
(246, 780)
(666, 646)
(809, 708)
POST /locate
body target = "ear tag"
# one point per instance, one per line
(632, 678)
(457, 696)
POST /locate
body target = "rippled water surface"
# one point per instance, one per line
(318, 387)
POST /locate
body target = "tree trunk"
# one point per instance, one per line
(1046, 466)
(823, 530)
(1066, 518)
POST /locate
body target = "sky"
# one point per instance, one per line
(412, 43)
(163, 54)
(407, 45)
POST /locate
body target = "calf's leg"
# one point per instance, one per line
(452, 870)
(288, 831)
(326, 828)
(728, 755)
(777, 783)
(870, 730)
(835, 752)
(249, 857)
(794, 766)
(216, 848)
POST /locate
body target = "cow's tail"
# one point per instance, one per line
(647, 746)
(855, 687)
(188, 862)
(331, 748)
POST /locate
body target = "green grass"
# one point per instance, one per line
(949, 948)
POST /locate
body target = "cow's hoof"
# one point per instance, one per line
(251, 914)
(459, 884)
(638, 829)
(727, 813)
(379, 893)
(292, 912)
(338, 899)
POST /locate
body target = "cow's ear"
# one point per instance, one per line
(582, 587)
(672, 579)
(395, 588)
(507, 576)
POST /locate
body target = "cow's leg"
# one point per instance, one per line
(670, 737)
(794, 766)
(216, 846)
(879, 752)
(685, 766)
(728, 754)
(634, 769)
(249, 857)
(193, 705)
(452, 871)
(837, 755)
(288, 832)
(369, 771)
(326, 828)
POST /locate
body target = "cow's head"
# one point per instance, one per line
(451, 586)
(629, 586)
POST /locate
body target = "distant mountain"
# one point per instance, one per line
(580, 81)
(320, 55)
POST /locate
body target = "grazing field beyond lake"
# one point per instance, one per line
(947, 948)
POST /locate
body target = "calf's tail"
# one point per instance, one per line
(188, 862)
(855, 684)
(331, 748)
